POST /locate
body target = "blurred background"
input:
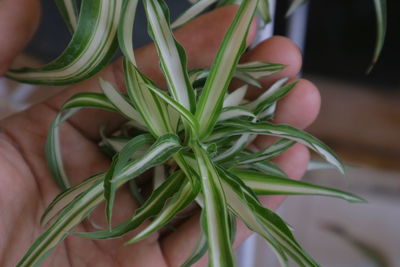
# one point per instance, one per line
(360, 120)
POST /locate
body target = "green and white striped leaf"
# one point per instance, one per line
(270, 152)
(266, 223)
(120, 102)
(314, 165)
(268, 94)
(73, 214)
(239, 206)
(247, 78)
(187, 165)
(260, 69)
(186, 115)
(160, 151)
(89, 100)
(215, 206)
(153, 111)
(53, 149)
(232, 227)
(69, 11)
(268, 113)
(211, 100)
(66, 197)
(91, 48)
(264, 184)
(195, 10)
(267, 167)
(229, 2)
(236, 97)
(201, 247)
(235, 112)
(151, 207)
(120, 161)
(114, 143)
(381, 25)
(235, 148)
(125, 29)
(249, 73)
(284, 131)
(271, 96)
(171, 53)
(264, 11)
(197, 76)
(245, 214)
(53, 152)
(185, 196)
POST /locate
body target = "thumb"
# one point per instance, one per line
(18, 22)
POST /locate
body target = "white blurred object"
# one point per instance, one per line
(14, 96)
(297, 26)
(266, 31)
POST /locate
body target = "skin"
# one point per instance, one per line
(26, 186)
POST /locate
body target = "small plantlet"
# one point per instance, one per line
(194, 136)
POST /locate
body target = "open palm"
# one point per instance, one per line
(26, 185)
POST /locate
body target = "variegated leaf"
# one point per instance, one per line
(183, 198)
(265, 184)
(284, 131)
(160, 151)
(151, 207)
(195, 10)
(211, 100)
(217, 224)
(69, 11)
(171, 53)
(91, 48)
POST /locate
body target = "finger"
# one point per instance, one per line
(298, 109)
(18, 22)
(201, 38)
(178, 245)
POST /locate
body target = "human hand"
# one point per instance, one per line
(26, 186)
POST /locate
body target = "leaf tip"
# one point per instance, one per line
(370, 67)
(356, 199)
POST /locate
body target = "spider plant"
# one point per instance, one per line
(195, 136)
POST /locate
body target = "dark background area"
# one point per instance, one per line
(340, 38)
